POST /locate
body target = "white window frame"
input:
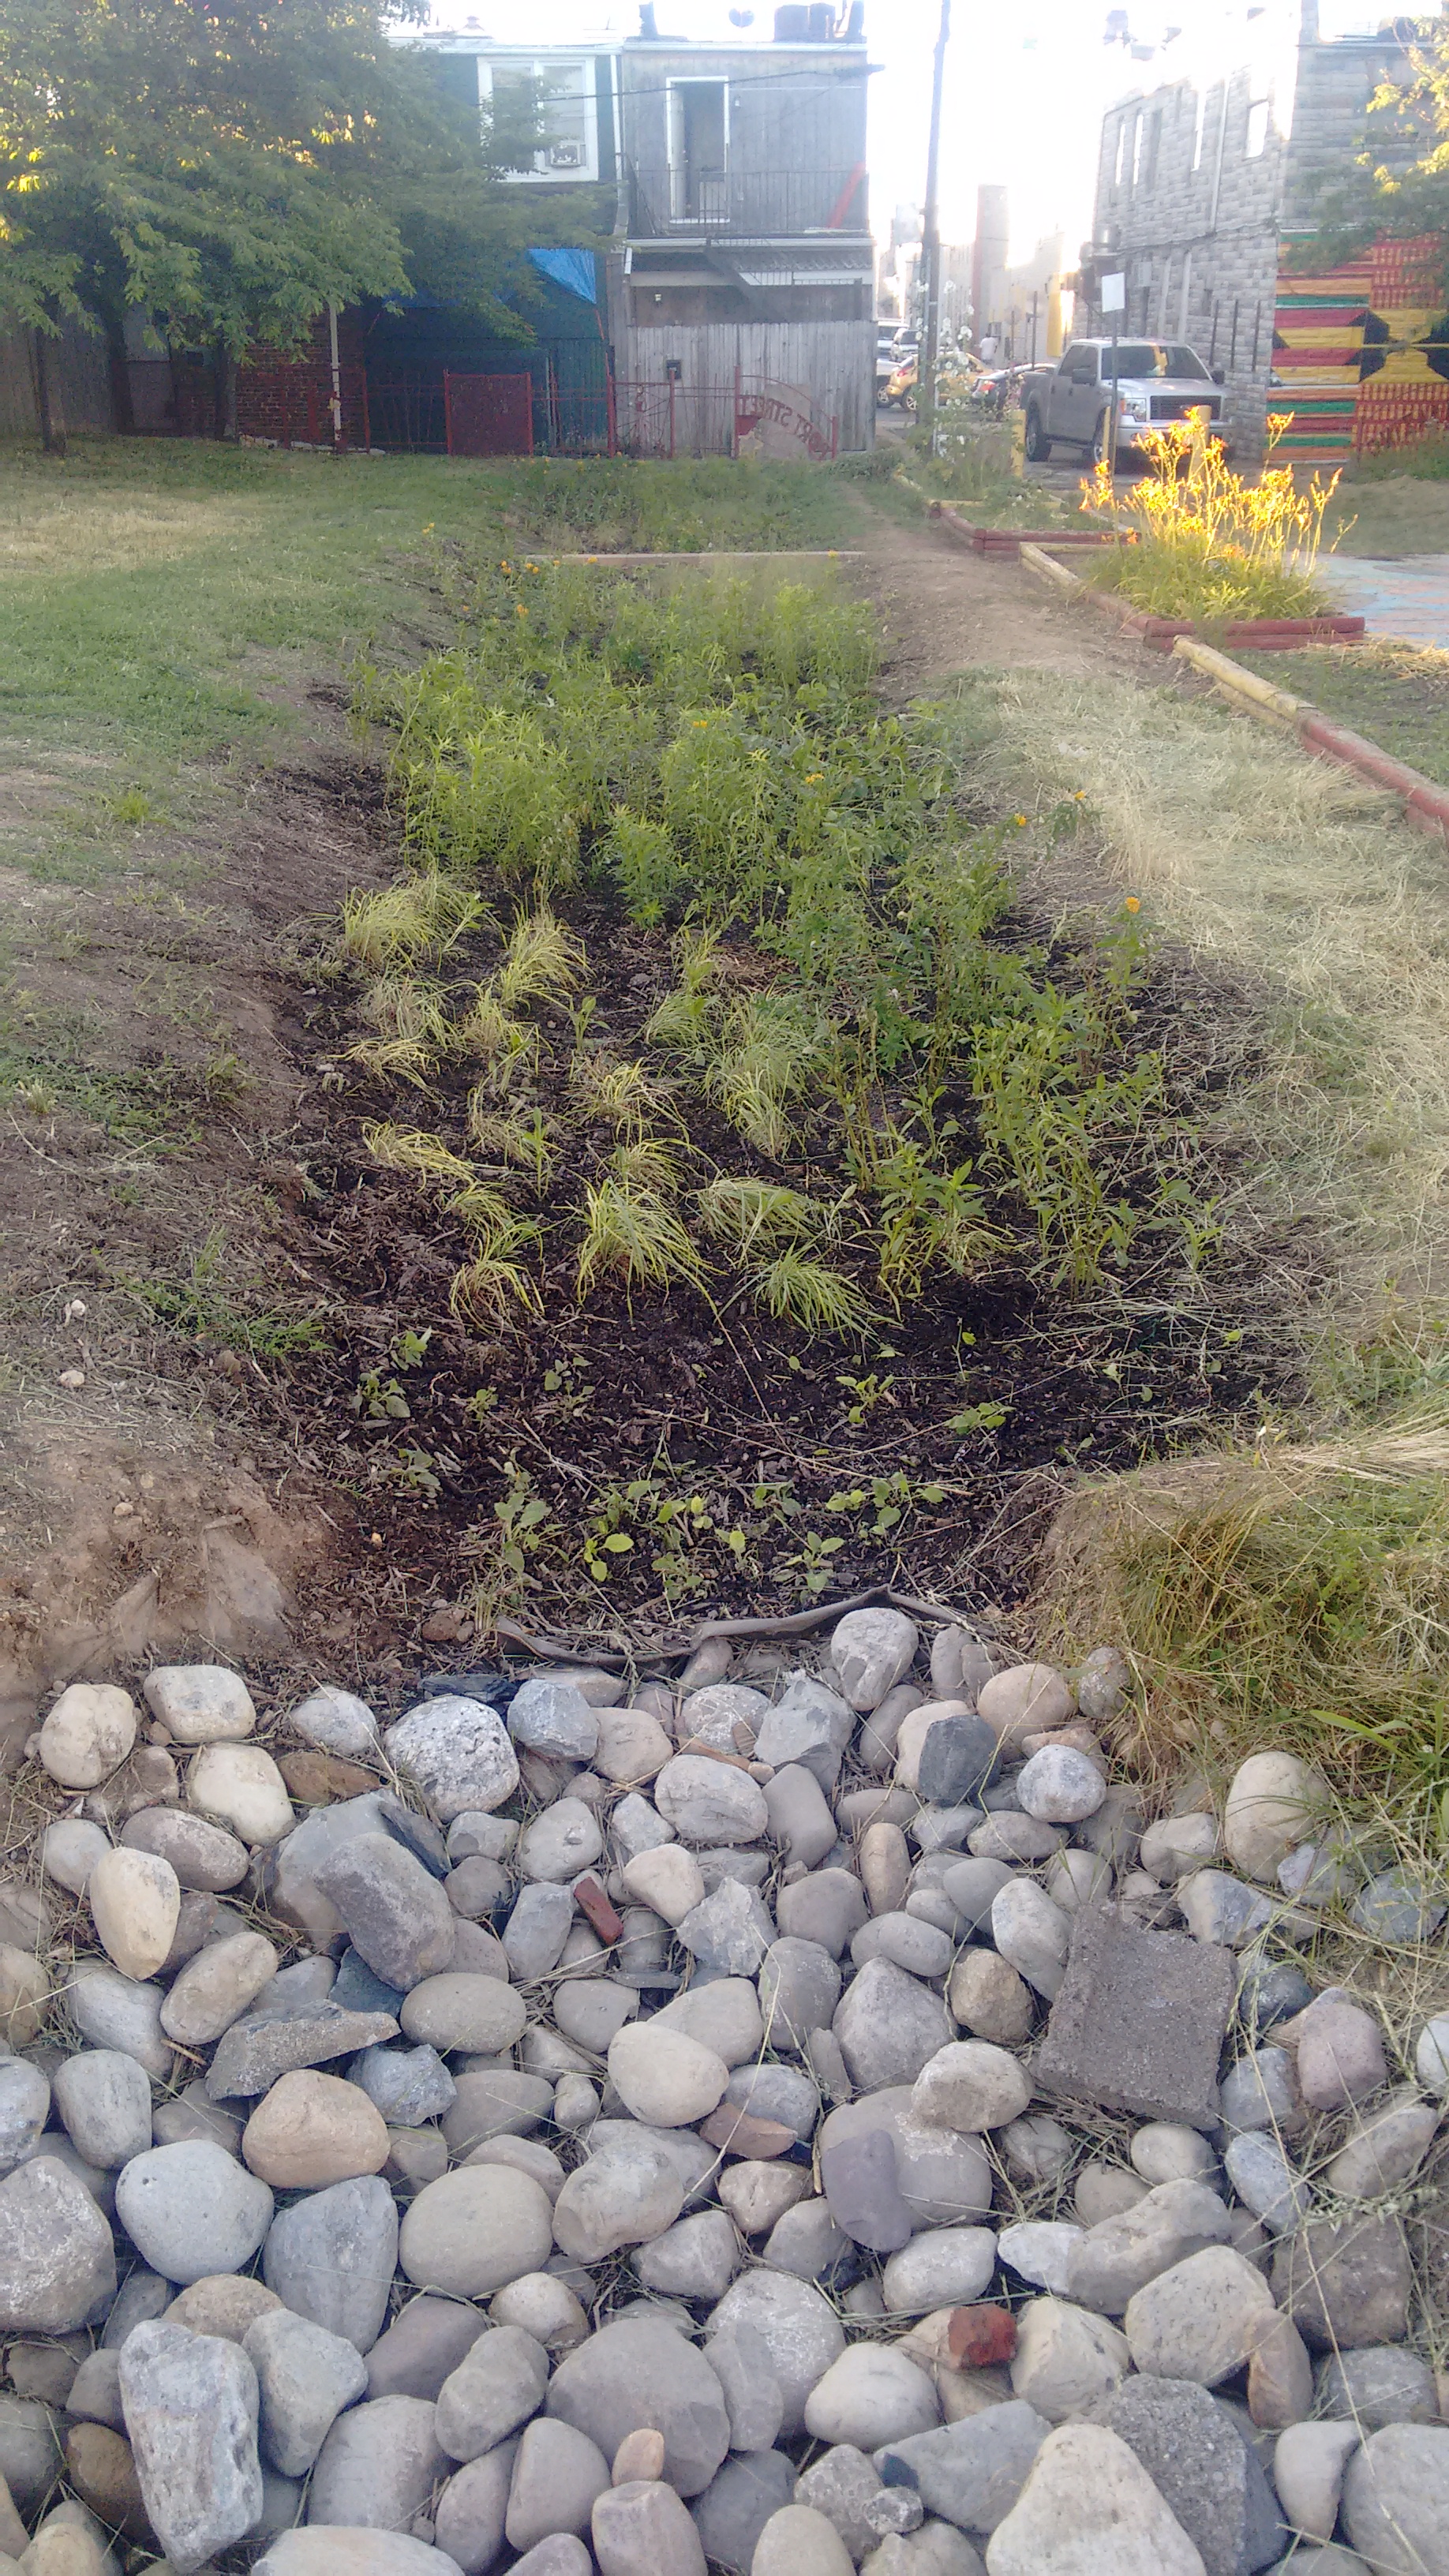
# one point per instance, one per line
(547, 69)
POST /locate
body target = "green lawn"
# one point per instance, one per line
(1396, 694)
(1401, 514)
(151, 591)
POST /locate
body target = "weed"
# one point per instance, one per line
(421, 916)
(630, 1229)
(37, 1095)
(750, 1213)
(809, 1294)
(614, 1090)
(204, 1308)
(525, 1142)
(411, 1149)
(542, 962)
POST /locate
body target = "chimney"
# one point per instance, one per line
(648, 23)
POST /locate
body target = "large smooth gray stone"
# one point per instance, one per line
(190, 2403)
(332, 2257)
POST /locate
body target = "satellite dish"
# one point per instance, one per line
(742, 17)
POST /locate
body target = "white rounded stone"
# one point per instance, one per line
(135, 1899)
(69, 1851)
(239, 1785)
(870, 2396)
(664, 2076)
(668, 1878)
(969, 2085)
(1060, 1786)
(200, 1703)
(87, 1734)
(1275, 1802)
(336, 1721)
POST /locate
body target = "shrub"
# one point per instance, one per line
(1209, 544)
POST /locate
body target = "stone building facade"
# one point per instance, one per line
(1200, 179)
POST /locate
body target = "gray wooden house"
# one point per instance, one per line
(737, 298)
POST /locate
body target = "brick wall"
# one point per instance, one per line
(289, 399)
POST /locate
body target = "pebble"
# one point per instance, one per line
(135, 1899)
(1274, 1802)
(24, 2110)
(1032, 1934)
(553, 1718)
(1041, 2252)
(203, 1855)
(945, 2267)
(888, 2025)
(1345, 2282)
(869, 2396)
(496, 2386)
(378, 2465)
(870, 1651)
(1178, 1846)
(1065, 2357)
(558, 2476)
(457, 1754)
(216, 1988)
(668, 1878)
(114, 2012)
(989, 1998)
(354, 2552)
(561, 1843)
(475, 2229)
(69, 1850)
(192, 2209)
(456, 2010)
(200, 1703)
(1398, 1907)
(57, 2262)
(1266, 2182)
(1199, 2319)
(87, 1734)
(663, 2076)
(191, 2407)
(972, 2472)
(1386, 2151)
(1308, 2465)
(336, 1721)
(305, 2377)
(1379, 2385)
(1165, 2151)
(1396, 2500)
(1339, 2051)
(239, 1785)
(311, 2130)
(1088, 2506)
(730, 1931)
(797, 2541)
(639, 2374)
(1431, 2056)
(1060, 1786)
(798, 2327)
(332, 2255)
(709, 1802)
(224, 2303)
(104, 2098)
(644, 2529)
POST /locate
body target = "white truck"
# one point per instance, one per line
(1155, 381)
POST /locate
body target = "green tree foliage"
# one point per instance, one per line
(233, 166)
(1398, 182)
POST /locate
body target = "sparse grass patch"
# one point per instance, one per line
(1295, 1596)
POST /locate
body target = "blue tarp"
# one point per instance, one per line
(577, 270)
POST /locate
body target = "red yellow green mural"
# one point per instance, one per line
(1361, 356)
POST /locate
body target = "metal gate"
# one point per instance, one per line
(488, 415)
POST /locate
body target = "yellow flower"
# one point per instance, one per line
(699, 723)
(1134, 903)
(520, 610)
(428, 527)
(813, 777)
(1020, 821)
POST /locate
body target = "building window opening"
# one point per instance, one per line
(698, 151)
(1198, 124)
(1136, 150)
(540, 121)
(1257, 134)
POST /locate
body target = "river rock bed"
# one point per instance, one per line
(803, 2119)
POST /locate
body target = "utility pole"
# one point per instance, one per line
(931, 237)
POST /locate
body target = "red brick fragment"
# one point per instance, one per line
(976, 2337)
(590, 1899)
(742, 2134)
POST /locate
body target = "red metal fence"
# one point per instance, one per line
(488, 415)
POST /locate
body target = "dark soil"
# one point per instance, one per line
(733, 1422)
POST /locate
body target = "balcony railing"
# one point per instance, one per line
(754, 205)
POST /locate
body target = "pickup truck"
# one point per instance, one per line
(1070, 404)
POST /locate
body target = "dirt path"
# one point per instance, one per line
(942, 607)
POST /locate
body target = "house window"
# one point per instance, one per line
(543, 119)
(1199, 122)
(1257, 135)
(698, 151)
(1136, 149)
(1150, 149)
(1121, 152)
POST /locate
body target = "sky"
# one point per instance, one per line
(1026, 87)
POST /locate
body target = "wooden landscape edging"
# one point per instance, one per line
(1009, 541)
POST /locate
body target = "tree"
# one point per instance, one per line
(232, 167)
(1398, 184)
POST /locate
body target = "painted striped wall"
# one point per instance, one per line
(1350, 351)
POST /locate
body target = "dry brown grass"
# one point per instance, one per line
(1306, 888)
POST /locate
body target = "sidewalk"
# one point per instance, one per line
(1408, 598)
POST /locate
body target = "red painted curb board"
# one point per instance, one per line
(1426, 804)
(1266, 634)
(1009, 541)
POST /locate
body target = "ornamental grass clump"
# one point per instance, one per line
(1205, 543)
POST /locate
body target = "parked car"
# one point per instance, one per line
(955, 379)
(886, 361)
(1070, 403)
